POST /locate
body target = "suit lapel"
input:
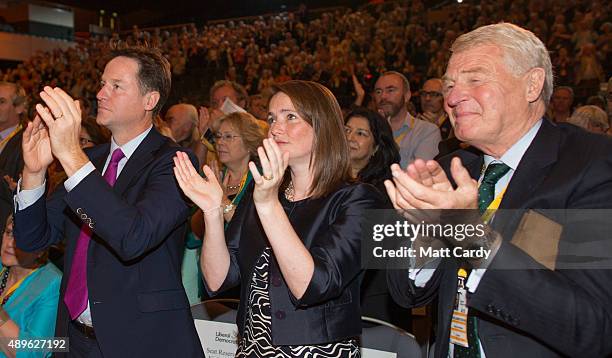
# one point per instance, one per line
(143, 155)
(98, 156)
(533, 167)
(530, 173)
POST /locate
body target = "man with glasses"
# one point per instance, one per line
(432, 107)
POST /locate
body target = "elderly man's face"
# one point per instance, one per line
(484, 100)
(9, 113)
(180, 121)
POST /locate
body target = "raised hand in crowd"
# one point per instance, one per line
(206, 117)
(12, 184)
(37, 155)
(359, 91)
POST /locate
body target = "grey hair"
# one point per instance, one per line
(20, 96)
(523, 50)
(589, 115)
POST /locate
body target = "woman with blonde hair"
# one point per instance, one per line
(591, 118)
(294, 243)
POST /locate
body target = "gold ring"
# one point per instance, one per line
(60, 116)
(268, 177)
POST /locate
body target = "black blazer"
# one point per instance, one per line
(137, 301)
(330, 228)
(11, 163)
(534, 313)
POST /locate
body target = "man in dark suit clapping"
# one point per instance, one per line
(120, 212)
(496, 88)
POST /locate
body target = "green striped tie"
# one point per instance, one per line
(486, 194)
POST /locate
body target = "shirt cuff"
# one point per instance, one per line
(25, 198)
(77, 177)
(421, 276)
(474, 279)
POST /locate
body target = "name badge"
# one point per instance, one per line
(458, 332)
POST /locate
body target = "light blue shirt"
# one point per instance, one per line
(25, 198)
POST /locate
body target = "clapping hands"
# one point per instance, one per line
(273, 164)
(205, 192)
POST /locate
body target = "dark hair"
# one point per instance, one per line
(153, 71)
(386, 151)
(97, 133)
(330, 154)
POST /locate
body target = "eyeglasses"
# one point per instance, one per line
(430, 94)
(226, 137)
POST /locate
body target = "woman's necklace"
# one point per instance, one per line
(3, 282)
(233, 187)
(229, 207)
(290, 191)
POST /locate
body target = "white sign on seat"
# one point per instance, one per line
(219, 340)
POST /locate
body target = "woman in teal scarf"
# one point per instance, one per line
(29, 293)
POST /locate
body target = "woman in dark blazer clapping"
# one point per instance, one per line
(295, 244)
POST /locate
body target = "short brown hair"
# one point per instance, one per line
(330, 155)
(153, 71)
(252, 131)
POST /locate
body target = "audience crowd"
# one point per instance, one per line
(330, 47)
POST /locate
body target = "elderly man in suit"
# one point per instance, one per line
(13, 107)
(496, 88)
(120, 212)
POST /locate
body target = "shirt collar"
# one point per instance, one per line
(5, 133)
(513, 156)
(130, 147)
(405, 124)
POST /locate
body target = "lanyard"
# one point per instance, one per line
(404, 131)
(10, 136)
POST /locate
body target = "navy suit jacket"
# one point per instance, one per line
(137, 301)
(533, 312)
